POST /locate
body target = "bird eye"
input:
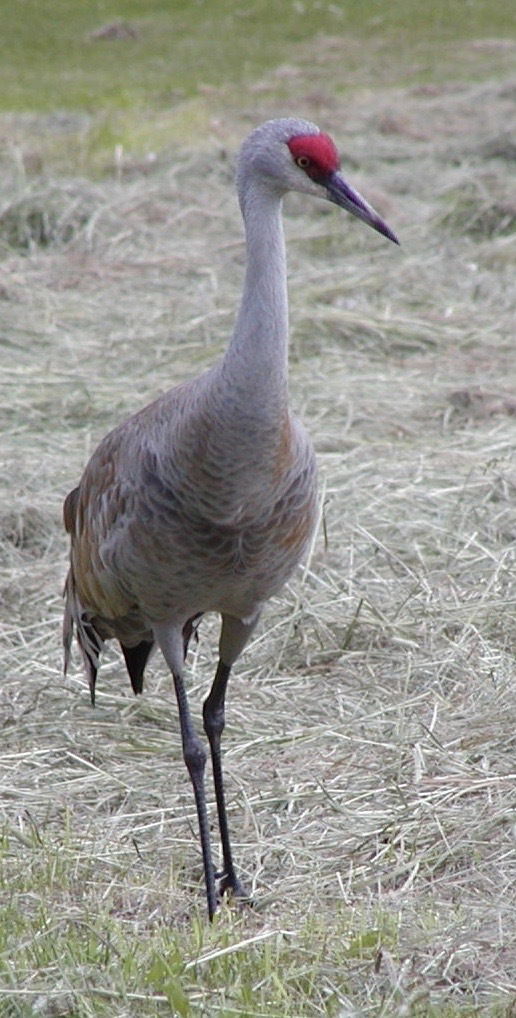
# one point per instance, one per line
(302, 162)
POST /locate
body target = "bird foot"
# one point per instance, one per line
(232, 886)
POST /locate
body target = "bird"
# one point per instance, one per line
(205, 500)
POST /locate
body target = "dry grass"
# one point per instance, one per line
(370, 746)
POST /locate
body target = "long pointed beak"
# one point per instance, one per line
(342, 194)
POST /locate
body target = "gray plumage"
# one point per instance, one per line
(205, 500)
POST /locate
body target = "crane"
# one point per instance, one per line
(205, 500)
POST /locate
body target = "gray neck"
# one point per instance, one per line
(256, 361)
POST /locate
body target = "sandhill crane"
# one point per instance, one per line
(205, 500)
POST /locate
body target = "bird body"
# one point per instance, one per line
(205, 500)
(165, 526)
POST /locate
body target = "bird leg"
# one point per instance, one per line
(194, 756)
(170, 640)
(234, 635)
(214, 719)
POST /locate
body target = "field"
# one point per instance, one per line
(370, 746)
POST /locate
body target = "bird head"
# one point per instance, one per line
(294, 155)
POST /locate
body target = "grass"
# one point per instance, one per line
(370, 743)
(171, 74)
(58, 48)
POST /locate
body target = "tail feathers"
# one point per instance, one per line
(92, 631)
(89, 639)
(91, 644)
(136, 658)
(190, 629)
(67, 632)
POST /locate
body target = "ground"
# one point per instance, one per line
(370, 742)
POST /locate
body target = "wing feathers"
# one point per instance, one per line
(136, 658)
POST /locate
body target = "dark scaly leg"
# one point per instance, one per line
(214, 717)
(194, 754)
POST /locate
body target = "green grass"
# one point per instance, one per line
(49, 60)
(81, 955)
(188, 63)
(64, 952)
